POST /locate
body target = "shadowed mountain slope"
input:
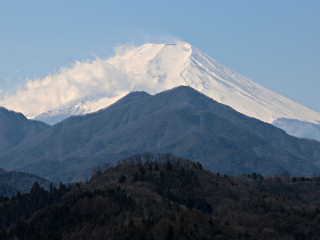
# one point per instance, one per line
(181, 121)
(14, 128)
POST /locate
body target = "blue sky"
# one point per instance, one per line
(274, 43)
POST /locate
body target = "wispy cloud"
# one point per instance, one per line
(82, 79)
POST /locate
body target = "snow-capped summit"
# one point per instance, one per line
(157, 67)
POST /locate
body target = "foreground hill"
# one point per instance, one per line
(165, 197)
(12, 182)
(181, 121)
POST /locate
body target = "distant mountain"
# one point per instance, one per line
(14, 128)
(182, 121)
(157, 67)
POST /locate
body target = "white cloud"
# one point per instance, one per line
(81, 80)
(111, 78)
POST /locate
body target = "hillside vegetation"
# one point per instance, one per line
(12, 182)
(165, 197)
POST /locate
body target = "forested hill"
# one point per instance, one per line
(165, 197)
(12, 182)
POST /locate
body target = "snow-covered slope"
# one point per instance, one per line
(157, 67)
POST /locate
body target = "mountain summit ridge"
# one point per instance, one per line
(157, 67)
(182, 121)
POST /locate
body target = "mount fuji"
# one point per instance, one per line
(157, 67)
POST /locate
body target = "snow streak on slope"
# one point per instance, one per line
(157, 67)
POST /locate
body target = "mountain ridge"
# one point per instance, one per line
(182, 121)
(17, 128)
(157, 67)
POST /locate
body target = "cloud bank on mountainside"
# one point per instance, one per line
(81, 80)
(99, 81)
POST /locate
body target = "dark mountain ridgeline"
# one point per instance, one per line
(14, 128)
(181, 121)
(165, 197)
